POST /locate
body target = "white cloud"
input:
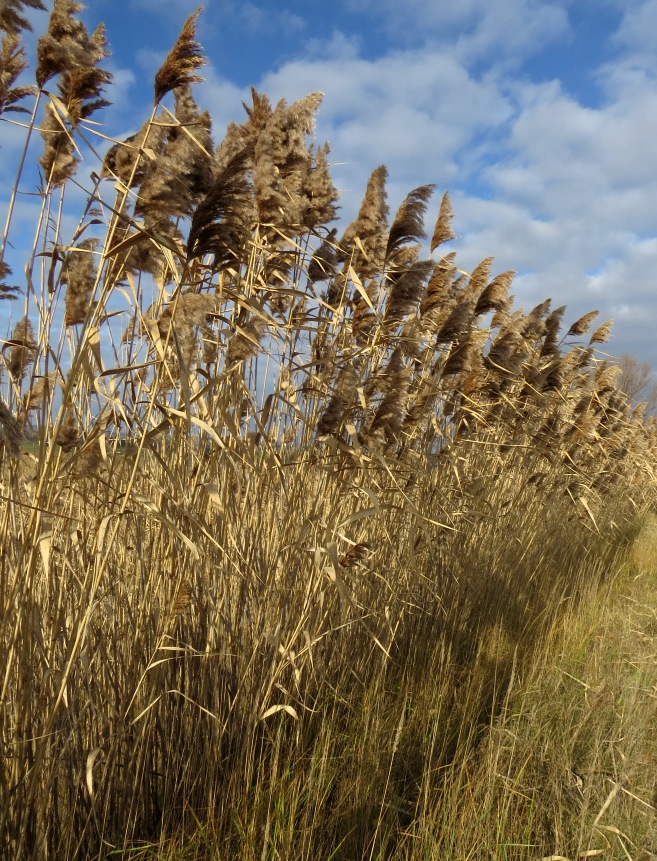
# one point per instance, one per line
(478, 29)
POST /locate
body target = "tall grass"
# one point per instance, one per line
(298, 506)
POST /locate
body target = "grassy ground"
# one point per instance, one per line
(569, 770)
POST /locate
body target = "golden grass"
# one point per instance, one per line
(300, 510)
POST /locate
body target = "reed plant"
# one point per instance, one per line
(284, 508)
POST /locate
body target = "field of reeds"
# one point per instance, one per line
(286, 509)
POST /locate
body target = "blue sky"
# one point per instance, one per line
(540, 118)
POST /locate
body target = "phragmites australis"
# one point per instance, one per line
(22, 349)
(320, 193)
(79, 277)
(495, 296)
(68, 435)
(181, 173)
(182, 60)
(407, 289)
(282, 163)
(363, 244)
(188, 316)
(12, 15)
(583, 325)
(408, 223)
(323, 262)
(12, 63)
(551, 337)
(66, 45)
(340, 404)
(238, 137)
(221, 223)
(74, 55)
(11, 433)
(245, 342)
(443, 231)
(602, 333)
(7, 291)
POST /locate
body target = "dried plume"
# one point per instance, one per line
(68, 435)
(406, 291)
(323, 262)
(66, 45)
(459, 320)
(221, 224)
(319, 190)
(7, 291)
(408, 224)
(12, 19)
(182, 60)
(388, 421)
(80, 87)
(370, 228)
(438, 289)
(443, 231)
(463, 355)
(340, 404)
(12, 63)
(11, 432)
(238, 137)
(602, 333)
(551, 338)
(282, 163)
(495, 296)
(143, 147)
(182, 172)
(533, 325)
(79, 278)
(582, 326)
(246, 341)
(22, 349)
(189, 320)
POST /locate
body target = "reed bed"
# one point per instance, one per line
(284, 508)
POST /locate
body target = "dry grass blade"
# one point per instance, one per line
(181, 61)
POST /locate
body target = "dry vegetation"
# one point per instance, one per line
(300, 506)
